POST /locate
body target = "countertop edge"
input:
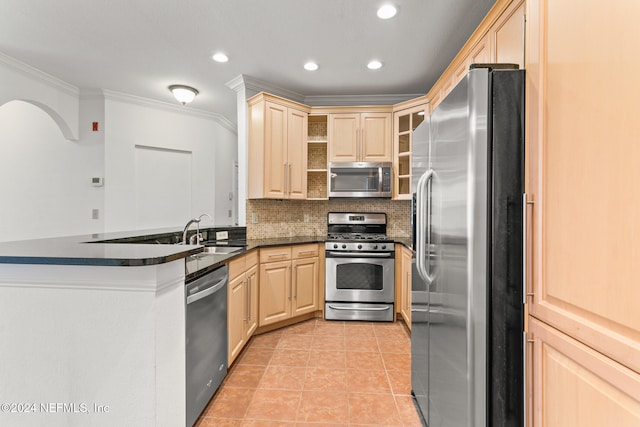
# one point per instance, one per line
(131, 254)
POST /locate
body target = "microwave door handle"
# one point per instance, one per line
(380, 187)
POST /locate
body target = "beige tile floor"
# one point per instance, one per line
(319, 373)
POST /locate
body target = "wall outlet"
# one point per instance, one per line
(306, 218)
(95, 213)
(254, 218)
(222, 235)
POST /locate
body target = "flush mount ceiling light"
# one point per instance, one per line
(387, 11)
(220, 57)
(310, 66)
(374, 65)
(184, 94)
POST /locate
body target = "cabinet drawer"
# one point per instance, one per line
(279, 253)
(237, 267)
(251, 259)
(304, 251)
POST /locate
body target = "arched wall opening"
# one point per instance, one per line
(45, 175)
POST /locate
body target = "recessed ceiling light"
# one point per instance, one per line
(421, 113)
(374, 65)
(387, 11)
(310, 66)
(220, 57)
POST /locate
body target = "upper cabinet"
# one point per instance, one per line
(404, 123)
(507, 35)
(317, 158)
(277, 148)
(360, 137)
(498, 39)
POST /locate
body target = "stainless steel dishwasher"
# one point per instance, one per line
(206, 339)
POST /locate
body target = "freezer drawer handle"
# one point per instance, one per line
(385, 308)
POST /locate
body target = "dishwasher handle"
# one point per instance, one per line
(208, 291)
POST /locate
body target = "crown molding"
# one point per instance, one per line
(37, 74)
(161, 105)
(340, 100)
(247, 82)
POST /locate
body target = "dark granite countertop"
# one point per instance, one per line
(92, 250)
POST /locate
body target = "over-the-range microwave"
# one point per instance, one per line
(360, 179)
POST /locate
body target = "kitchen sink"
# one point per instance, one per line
(223, 250)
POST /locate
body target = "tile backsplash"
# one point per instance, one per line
(288, 218)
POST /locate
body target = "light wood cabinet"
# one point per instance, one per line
(317, 157)
(583, 234)
(403, 283)
(242, 302)
(360, 137)
(304, 285)
(277, 148)
(498, 39)
(289, 278)
(573, 385)
(507, 35)
(404, 123)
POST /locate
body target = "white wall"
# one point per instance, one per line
(45, 177)
(132, 128)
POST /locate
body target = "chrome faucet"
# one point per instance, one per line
(196, 238)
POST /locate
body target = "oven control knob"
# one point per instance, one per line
(359, 246)
(335, 246)
(344, 246)
(375, 246)
(384, 247)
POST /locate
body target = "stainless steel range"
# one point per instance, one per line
(360, 259)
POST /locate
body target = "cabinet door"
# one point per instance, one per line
(584, 267)
(275, 150)
(236, 307)
(577, 386)
(375, 137)
(297, 154)
(305, 285)
(405, 122)
(508, 35)
(406, 286)
(252, 287)
(275, 292)
(481, 53)
(343, 139)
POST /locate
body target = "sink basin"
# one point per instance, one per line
(221, 249)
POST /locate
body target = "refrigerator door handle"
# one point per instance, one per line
(423, 228)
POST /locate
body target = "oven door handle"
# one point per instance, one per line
(361, 254)
(335, 307)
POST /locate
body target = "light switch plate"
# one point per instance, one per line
(222, 235)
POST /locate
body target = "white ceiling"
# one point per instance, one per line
(140, 47)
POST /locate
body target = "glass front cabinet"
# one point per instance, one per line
(405, 121)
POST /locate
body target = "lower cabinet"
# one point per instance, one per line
(571, 384)
(242, 302)
(403, 283)
(289, 278)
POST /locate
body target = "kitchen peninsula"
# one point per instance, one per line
(94, 333)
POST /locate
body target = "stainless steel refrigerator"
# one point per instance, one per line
(467, 308)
